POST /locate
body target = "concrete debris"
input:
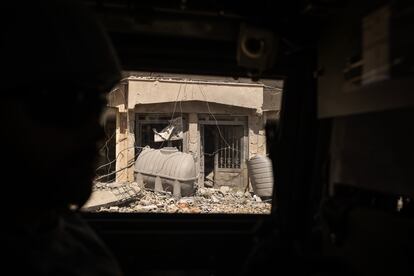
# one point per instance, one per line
(214, 199)
(107, 195)
(209, 183)
(239, 194)
(224, 189)
(150, 208)
(204, 192)
(256, 198)
(205, 200)
(186, 200)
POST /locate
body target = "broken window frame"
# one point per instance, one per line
(143, 118)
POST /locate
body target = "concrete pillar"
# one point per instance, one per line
(253, 135)
(257, 135)
(131, 148)
(125, 140)
(261, 141)
(121, 146)
(194, 142)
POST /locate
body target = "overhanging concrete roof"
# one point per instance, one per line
(145, 90)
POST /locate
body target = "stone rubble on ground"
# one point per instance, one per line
(205, 200)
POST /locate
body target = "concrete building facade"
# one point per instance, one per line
(222, 123)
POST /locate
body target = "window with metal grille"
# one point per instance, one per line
(230, 147)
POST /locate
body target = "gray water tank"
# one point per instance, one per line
(261, 175)
(166, 169)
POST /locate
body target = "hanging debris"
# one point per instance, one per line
(174, 131)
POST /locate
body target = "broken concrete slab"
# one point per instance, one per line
(100, 199)
(112, 196)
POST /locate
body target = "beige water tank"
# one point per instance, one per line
(166, 169)
(261, 175)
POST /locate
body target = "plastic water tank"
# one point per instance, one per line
(261, 175)
(166, 169)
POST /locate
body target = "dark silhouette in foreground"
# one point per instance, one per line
(57, 66)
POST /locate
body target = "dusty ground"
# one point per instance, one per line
(206, 200)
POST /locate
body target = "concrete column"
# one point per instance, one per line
(194, 141)
(261, 139)
(121, 146)
(257, 135)
(253, 125)
(131, 149)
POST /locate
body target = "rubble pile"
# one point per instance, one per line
(205, 200)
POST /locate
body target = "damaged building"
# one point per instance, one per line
(219, 121)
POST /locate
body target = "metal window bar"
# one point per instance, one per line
(229, 158)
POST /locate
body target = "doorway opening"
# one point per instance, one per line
(222, 154)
